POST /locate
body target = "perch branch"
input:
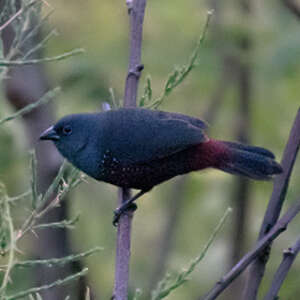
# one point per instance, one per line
(136, 10)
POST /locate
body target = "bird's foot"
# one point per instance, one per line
(121, 210)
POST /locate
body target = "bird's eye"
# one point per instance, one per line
(67, 130)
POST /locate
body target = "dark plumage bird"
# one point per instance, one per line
(140, 148)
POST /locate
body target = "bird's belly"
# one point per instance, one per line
(134, 176)
(147, 175)
(142, 177)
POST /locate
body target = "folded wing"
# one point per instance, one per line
(136, 136)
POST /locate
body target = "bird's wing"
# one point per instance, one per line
(173, 135)
(143, 138)
(191, 120)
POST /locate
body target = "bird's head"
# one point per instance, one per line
(70, 134)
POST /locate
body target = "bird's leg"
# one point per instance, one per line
(126, 206)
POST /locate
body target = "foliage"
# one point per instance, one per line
(67, 179)
(20, 15)
(177, 76)
(167, 35)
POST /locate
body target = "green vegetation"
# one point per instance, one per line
(171, 30)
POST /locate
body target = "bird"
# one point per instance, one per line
(140, 148)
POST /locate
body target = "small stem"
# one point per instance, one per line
(58, 282)
(10, 20)
(15, 63)
(11, 253)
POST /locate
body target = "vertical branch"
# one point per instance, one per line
(123, 250)
(136, 10)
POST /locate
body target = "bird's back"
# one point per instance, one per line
(136, 135)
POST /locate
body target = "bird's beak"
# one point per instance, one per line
(49, 134)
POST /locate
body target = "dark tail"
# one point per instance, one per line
(250, 161)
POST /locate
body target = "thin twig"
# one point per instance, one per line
(179, 74)
(41, 44)
(11, 19)
(281, 182)
(51, 262)
(30, 34)
(50, 95)
(69, 224)
(136, 10)
(74, 179)
(19, 197)
(278, 228)
(48, 286)
(15, 63)
(33, 181)
(11, 252)
(289, 256)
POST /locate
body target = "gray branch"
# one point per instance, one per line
(289, 256)
(136, 10)
(123, 251)
(278, 228)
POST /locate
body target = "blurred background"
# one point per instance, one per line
(246, 86)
